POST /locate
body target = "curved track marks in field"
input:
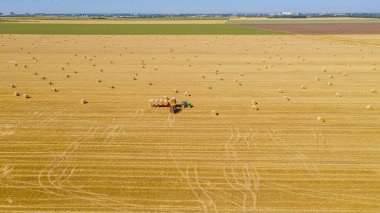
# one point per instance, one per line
(170, 120)
(237, 185)
(56, 181)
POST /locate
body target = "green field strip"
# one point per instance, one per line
(133, 29)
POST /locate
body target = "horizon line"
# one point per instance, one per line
(188, 13)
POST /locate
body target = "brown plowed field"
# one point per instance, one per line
(323, 29)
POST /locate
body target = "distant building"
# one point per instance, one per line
(288, 13)
(8, 14)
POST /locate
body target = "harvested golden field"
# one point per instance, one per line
(298, 126)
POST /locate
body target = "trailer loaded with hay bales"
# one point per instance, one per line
(170, 103)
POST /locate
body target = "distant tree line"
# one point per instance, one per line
(350, 15)
(198, 16)
(365, 15)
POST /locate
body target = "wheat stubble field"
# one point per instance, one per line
(265, 151)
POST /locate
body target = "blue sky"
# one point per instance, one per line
(187, 6)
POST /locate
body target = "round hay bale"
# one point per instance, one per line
(338, 72)
(175, 91)
(54, 90)
(17, 94)
(12, 86)
(99, 80)
(373, 91)
(150, 83)
(214, 113)
(111, 86)
(331, 76)
(43, 78)
(303, 87)
(255, 107)
(35, 73)
(241, 74)
(62, 68)
(338, 95)
(286, 98)
(68, 76)
(369, 107)
(317, 79)
(208, 86)
(254, 102)
(202, 76)
(83, 101)
(280, 91)
(134, 78)
(345, 74)
(320, 119)
(236, 81)
(221, 79)
(26, 96)
(50, 83)
(330, 84)
(187, 94)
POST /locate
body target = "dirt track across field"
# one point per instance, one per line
(323, 29)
